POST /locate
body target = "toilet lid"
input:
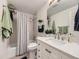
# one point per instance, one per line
(31, 45)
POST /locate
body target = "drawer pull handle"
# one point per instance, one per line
(47, 50)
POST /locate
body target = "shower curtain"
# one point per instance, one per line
(21, 33)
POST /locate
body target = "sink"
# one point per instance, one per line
(58, 42)
(52, 40)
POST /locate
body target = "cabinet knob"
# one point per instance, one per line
(38, 44)
(39, 56)
(38, 50)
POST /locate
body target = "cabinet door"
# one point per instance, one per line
(55, 54)
(65, 56)
(45, 54)
(50, 52)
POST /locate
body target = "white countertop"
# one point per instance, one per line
(69, 48)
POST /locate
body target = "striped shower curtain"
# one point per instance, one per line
(21, 33)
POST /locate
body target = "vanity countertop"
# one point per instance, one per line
(71, 48)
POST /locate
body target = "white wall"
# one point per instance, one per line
(42, 14)
(30, 30)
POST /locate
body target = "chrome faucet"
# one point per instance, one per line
(57, 36)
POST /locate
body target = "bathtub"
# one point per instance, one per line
(7, 52)
(11, 52)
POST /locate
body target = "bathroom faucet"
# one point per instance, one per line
(57, 36)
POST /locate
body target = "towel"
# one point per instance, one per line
(7, 29)
(76, 25)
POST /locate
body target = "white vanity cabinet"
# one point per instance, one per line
(45, 51)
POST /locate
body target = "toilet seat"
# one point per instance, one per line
(32, 46)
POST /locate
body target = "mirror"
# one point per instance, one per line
(61, 5)
(63, 13)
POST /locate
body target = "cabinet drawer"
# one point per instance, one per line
(53, 53)
(47, 52)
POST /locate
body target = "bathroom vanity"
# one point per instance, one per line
(50, 48)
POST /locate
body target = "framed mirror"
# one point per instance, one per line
(63, 12)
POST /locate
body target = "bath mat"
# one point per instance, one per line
(24, 57)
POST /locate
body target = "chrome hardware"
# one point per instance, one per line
(48, 51)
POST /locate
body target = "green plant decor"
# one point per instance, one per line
(53, 28)
(47, 31)
(63, 29)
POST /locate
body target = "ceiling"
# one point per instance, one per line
(62, 5)
(29, 6)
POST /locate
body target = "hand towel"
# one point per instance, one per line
(7, 29)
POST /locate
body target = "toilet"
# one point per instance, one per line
(32, 46)
(32, 49)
